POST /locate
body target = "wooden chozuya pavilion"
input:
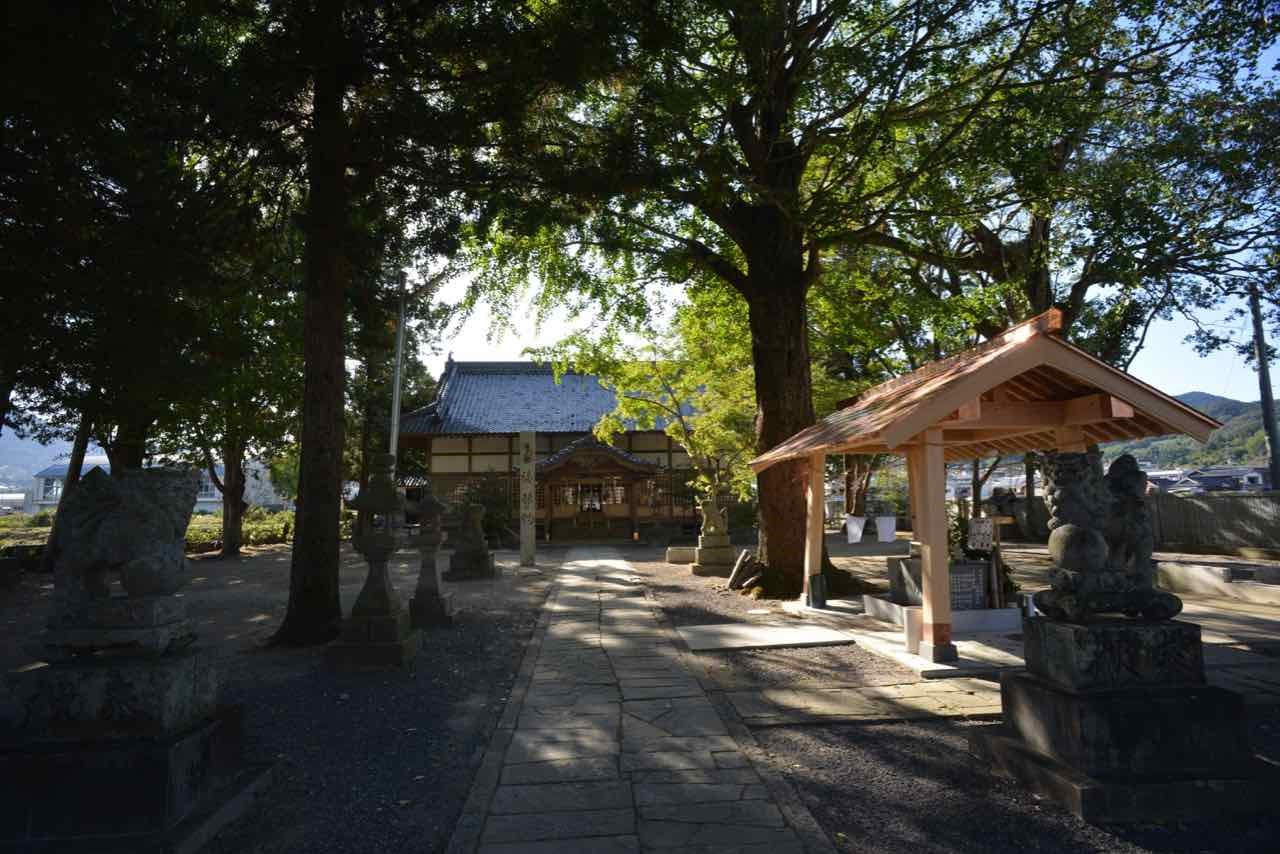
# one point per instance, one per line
(1025, 390)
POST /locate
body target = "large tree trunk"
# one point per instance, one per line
(79, 446)
(233, 503)
(857, 480)
(315, 610)
(784, 405)
(128, 448)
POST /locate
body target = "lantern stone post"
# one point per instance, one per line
(378, 632)
(430, 605)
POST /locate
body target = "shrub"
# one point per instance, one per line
(263, 529)
(15, 520)
(43, 519)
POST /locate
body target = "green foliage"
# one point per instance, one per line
(204, 534)
(283, 473)
(40, 519)
(499, 520)
(15, 520)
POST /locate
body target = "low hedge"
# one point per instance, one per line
(260, 528)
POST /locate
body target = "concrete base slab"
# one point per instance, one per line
(758, 636)
(1135, 800)
(962, 622)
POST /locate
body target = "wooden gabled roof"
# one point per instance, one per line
(1025, 390)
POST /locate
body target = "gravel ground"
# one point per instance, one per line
(912, 788)
(692, 600)
(829, 666)
(365, 762)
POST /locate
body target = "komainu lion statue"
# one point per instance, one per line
(135, 523)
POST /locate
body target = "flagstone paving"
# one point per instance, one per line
(614, 746)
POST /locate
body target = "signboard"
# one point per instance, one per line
(968, 585)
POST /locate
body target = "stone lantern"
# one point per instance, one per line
(430, 605)
(378, 632)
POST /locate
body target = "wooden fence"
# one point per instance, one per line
(1220, 521)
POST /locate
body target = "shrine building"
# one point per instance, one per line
(585, 489)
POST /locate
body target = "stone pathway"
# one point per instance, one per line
(609, 744)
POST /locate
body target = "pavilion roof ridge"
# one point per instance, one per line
(1045, 323)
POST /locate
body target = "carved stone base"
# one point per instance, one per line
(1113, 654)
(104, 697)
(467, 565)
(1113, 719)
(713, 560)
(1250, 790)
(151, 625)
(431, 610)
(137, 794)
(1188, 731)
(369, 643)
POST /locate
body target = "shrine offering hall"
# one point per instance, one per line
(585, 489)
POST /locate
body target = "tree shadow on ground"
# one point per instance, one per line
(913, 787)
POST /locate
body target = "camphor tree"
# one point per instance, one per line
(748, 148)
(692, 380)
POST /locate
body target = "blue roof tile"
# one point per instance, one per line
(507, 397)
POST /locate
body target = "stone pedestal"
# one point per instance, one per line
(467, 564)
(114, 753)
(1114, 720)
(713, 556)
(374, 642)
(430, 605)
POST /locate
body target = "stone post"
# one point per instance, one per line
(378, 632)
(528, 498)
(430, 605)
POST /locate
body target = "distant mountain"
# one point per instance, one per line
(1240, 440)
(22, 458)
(1221, 408)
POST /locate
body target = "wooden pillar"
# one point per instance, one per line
(931, 505)
(913, 495)
(815, 589)
(528, 499)
(635, 512)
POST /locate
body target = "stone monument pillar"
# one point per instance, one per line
(471, 557)
(1113, 717)
(378, 632)
(118, 737)
(714, 555)
(528, 499)
(430, 605)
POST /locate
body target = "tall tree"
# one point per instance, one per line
(763, 137)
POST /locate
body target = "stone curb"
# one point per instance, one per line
(784, 794)
(470, 825)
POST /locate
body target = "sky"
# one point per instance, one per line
(1166, 362)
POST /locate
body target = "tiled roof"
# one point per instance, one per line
(591, 443)
(59, 469)
(507, 397)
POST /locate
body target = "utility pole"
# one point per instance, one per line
(1264, 386)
